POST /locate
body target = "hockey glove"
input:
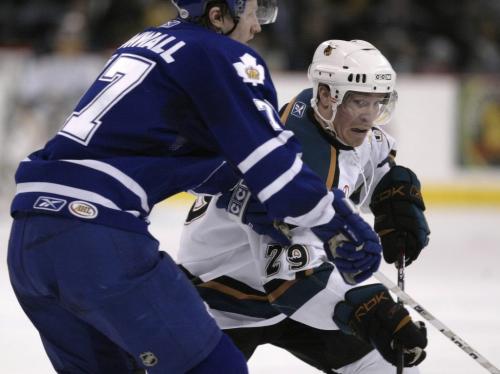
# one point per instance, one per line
(399, 215)
(244, 208)
(370, 313)
(350, 243)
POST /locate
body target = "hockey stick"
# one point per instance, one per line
(407, 299)
(401, 284)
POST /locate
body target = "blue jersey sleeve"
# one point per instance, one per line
(246, 127)
(176, 108)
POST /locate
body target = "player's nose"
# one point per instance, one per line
(256, 28)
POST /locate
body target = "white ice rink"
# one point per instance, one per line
(457, 279)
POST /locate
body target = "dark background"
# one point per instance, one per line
(417, 36)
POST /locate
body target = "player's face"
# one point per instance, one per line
(248, 24)
(355, 116)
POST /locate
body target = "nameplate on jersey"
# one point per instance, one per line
(163, 44)
(298, 110)
(238, 201)
(51, 204)
(250, 70)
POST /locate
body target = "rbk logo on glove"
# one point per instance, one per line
(367, 306)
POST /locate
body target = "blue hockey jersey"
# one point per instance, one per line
(176, 108)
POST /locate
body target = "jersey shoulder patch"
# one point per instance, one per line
(250, 70)
(298, 110)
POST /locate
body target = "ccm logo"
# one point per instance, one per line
(383, 77)
(238, 200)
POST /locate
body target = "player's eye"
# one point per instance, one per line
(360, 102)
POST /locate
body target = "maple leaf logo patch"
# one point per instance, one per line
(249, 70)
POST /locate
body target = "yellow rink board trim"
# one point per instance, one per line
(462, 195)
(438, 195)
(182, 198)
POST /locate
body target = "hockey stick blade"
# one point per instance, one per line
(459, 342)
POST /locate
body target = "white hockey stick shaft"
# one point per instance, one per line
(408, 300)
(401, 284)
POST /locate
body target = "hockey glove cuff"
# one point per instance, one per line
(244, 208)
(350, 243)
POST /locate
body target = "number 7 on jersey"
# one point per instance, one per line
(123, 74)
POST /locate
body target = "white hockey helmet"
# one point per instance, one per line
(354, 65)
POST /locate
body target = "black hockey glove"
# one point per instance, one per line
(399, 215)
(244, 208)
(350, 243)
(370, 313)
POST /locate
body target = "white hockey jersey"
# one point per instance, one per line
(247, 279)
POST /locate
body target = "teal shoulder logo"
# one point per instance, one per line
(298, 110)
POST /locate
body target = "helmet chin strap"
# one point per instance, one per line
(327, 123)
(232, 28)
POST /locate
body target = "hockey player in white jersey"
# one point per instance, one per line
(261, 291)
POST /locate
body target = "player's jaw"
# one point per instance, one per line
(356, 135)
(353, 137)
(351, 129)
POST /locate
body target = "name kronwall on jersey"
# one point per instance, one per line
(156, 42)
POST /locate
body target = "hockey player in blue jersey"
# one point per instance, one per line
(183, 106)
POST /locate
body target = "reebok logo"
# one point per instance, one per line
(49, 203)
(299, 109)
(365, 308)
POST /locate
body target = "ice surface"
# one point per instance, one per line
(457, 279)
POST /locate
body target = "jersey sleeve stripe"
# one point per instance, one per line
(281, 181)
(121, 177)
(232, 291)
(322, 213)
(279, 291)
(288, 296)
(333, 168)
(263, 150)
(60, 189)
(288, 109)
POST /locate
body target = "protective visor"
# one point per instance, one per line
(267, 11)
(387, 109)
(380, 111)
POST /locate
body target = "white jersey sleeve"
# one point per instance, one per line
(248, 280)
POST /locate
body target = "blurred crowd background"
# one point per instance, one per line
(446, 54)
(418, 36)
